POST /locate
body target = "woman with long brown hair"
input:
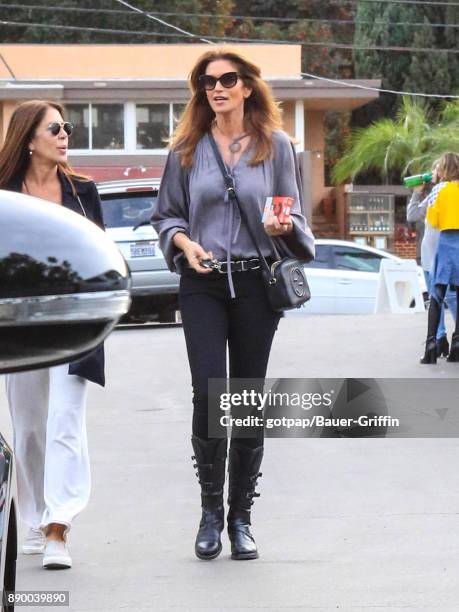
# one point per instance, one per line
(48, 406)
(222, 296)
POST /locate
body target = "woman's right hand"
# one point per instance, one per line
(195, 254)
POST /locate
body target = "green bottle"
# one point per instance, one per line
(417, 179)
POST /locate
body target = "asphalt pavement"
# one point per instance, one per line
(348, 524)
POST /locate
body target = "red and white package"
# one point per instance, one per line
(279, 206)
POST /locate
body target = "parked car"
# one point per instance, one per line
(127, 208)
(63, 287)
(343, 278)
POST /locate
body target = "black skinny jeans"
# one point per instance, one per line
(213, 321)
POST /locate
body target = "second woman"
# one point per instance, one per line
(48, 405)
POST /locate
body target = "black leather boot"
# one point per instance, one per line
(442, 347)
(454, 350)
(244, 465)
(210, 457)
(430, 355)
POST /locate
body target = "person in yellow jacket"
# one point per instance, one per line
(443, 214)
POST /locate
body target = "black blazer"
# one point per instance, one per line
(91, 367)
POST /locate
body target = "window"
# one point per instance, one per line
(97, 126)
(125, 128)
(107, 126)
(155, 124)
(322, 258)
(152, 125)
(177, 110)
(78, 114)
(349, 258)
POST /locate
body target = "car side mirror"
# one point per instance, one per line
(63, 284)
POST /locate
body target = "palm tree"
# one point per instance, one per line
(407, 145)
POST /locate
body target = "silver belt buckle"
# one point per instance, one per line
(219, 267)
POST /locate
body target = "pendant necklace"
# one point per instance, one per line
(235, 145)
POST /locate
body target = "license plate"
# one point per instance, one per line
(143, 250)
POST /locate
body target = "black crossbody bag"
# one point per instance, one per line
(285, 280)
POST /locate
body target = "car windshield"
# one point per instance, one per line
(127, 209)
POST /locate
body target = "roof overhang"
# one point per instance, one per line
(13, 90)
(397, 190)
(316, 94)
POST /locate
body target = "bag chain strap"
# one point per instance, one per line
(76, 196)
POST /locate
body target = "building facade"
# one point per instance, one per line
(124, 101)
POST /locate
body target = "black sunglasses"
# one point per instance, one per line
(55, 127)
(208, 82)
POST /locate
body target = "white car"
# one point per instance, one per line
(343, 278)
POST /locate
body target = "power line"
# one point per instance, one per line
(24, 24)
(165, 23)
(379, 89)
(224, 39)
(411, 2)
(350, 22)
(307, 74)
(7, 66)
(415, 3)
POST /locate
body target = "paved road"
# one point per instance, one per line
(354, 524)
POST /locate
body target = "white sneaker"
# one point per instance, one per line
(34, 542)
(56, 555)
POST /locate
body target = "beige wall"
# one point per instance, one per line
(7, 109)
(314, 141)
(288, 117)
(134, 61)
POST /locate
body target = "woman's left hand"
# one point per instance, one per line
(274, 228)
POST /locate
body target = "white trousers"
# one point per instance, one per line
(48, 412)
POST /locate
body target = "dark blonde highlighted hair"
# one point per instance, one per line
(261, 112)
(14, 155)
(448, 167)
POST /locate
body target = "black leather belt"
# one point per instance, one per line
(240, 265)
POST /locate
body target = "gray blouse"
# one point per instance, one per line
(195, 201)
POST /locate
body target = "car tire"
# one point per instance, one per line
(9, 576)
